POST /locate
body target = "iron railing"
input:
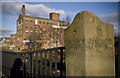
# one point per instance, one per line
(44, 62)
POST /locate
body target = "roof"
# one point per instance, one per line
(43, 18)
(13, 34)
(7, 38)
(1, 39)
(53, 13)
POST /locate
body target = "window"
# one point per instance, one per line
(26, 20)
(55, 44)
(36, 21)
(59, 24)
(44, 32)
(26, 37)
(31, 21)
(43, 22)
(40, 22)
(26, 46)
(40, 32)
(26, 31)
(51, 23)
(35, 27)
(31, 31)
(26, 26)
(40, 44)
(31, 26)
(58, 33)
(47, 22)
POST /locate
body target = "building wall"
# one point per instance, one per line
(14, 40)
(20, 31)
(43, 27)
(36, 28)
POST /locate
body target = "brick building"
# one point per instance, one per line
(43, 32)
(14, 41)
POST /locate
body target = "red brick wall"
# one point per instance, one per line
(54, 16)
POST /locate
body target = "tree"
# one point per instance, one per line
(67, 19)
(35, 35)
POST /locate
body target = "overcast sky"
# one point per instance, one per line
(106, 11)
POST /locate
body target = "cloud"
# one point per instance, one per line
(14, 8)
(11, 11)
(6, 32)
(10, 8)
(111, 18)
(70, 13)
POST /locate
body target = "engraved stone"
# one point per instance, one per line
(92, 56)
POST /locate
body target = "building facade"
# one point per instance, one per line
(14, 41)
(39, 32)
(5, 41)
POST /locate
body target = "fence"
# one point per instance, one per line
(44, 62)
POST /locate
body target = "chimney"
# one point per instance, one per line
(23, 9)
(54, 16)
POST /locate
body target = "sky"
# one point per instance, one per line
(63, 0)
(106, 11)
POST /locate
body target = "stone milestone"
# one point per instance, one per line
(89, 45)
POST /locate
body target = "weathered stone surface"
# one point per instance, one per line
(89, 45)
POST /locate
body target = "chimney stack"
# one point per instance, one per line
(54, 16)
(23, 9)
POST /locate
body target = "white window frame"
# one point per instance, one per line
(36, 21)
(26, 31)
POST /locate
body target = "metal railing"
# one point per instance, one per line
(44, 62)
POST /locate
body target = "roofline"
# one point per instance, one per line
(13, 34)
(7, 38)
(53, 13)
(19, 16)
(45, 18)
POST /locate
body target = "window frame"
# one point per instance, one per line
(43, 22)
(26, 26)
(31, 21)
(27, 20)
(40, 22)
